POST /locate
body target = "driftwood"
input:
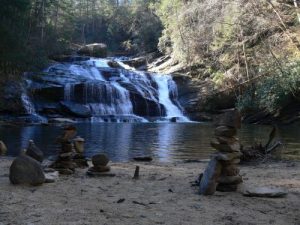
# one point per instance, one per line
(136, 173)
(260, 151)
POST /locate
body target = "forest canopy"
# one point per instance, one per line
(251, 42)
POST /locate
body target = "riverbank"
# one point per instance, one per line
(162, 195)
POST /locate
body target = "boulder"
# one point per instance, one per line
(26, 170)
(100, 160)
(3, 148)
(208, 182)
(34, 152)
(94, 50)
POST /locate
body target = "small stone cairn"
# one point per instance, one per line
(222, 172)
(100, 167)
(79, 158)
(68, 159)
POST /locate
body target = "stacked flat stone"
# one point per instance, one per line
(100, 166)
(78, 157)
(64, 163)
(229, 156)
(222, 173)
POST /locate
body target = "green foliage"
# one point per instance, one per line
(273, 92)
(32, 30)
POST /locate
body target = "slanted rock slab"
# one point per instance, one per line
(208, 182)
(268, 192)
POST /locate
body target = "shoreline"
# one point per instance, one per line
(162, 195)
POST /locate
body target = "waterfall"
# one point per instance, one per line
(163, 82)
(68, 92)
(28, 105)
(109, 93)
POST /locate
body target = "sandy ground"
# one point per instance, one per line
(162, 195)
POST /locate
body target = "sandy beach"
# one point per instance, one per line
(162, 195)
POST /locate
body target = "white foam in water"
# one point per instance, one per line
(164, 97)
(28, 105)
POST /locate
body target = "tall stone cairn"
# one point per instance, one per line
(64, 163)
(222, 173)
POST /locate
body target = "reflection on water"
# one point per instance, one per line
(164, 141)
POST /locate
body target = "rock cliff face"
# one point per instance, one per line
(198, 99)
(83, 87)
(11, 101)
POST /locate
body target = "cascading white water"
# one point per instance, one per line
(68, 92)
(28, 105)
(164, 96)
(117, 94)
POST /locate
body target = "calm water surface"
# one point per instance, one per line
(164, 141)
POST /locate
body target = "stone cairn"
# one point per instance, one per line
(100, 167)
(222, 172)
(71, 153)
(79, 158)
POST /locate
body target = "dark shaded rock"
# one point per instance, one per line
(231, 162)
(11, 98)
(34, 152)
(230, 170)
(114, 64)
(143, 158)
(94, 50)
(230, 180)
(3, 148)
(208, 182)
(65, 171)
(234, 147)
(225, 131)
(100, 169)
(26, 170)
(66, 147)
(136, 62)
(174, 119)
(80, 161)
(227, 187)
(227, 156)
(230, 118)
(70, 132)
(268, 192)
(99, 174)
(60, 164)
(78, 110)
(100, 160)
(227, 140)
